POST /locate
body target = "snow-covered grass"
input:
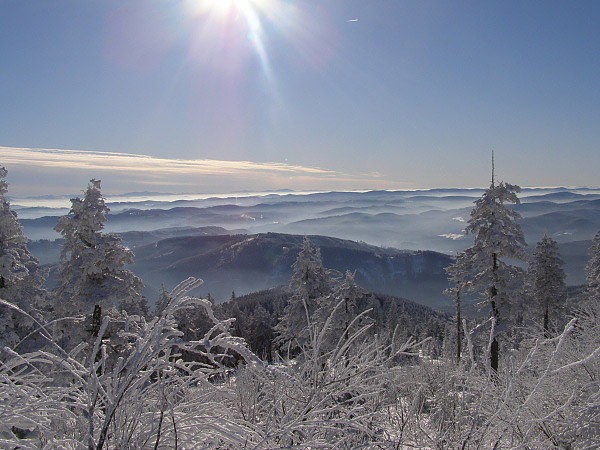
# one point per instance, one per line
(354, 395)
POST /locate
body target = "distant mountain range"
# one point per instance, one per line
(249, 243)
(432, 220)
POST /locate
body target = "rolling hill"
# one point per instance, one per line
(247, 263)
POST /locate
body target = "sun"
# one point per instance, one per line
(222, 19)
(228, 6)
(225, 4)
(217, 10)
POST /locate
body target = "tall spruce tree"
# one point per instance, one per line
(546, 280)
(484, 269)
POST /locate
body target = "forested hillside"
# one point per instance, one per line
(257, 315)
(247, 263)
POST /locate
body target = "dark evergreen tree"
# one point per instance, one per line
(546, 280)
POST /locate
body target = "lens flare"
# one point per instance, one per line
(227, 29)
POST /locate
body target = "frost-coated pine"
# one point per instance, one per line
(310, 282)
(547, 280)
(593, 270)
(20, 274)
(482, 267)
(338, 311)
(92, 265)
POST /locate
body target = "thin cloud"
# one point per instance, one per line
(127, 162)
(65, 171)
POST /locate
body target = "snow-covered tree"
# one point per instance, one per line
(546, 279)
(163, 300)
(260, 332)
(137, 305)
(593, 270)
(20, 274)
(338, 310)
(92, 269)
(483, 267)
(457, 275)
(310, 281)
(309, 278)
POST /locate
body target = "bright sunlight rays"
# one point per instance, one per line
(232, 19)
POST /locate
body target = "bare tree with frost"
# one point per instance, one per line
(458, 277)
(546, 280)
(162, 301)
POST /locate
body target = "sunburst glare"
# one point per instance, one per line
(232, 26)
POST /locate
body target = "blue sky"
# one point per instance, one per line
(333, 94)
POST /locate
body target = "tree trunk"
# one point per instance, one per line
(96, 320)
(494, 356)
(495, 348)
(458, 328)
(546, 323)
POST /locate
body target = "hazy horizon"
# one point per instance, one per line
(62, 200)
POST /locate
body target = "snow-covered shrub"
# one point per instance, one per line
(327, 394)
(145, 396)
(547, 396)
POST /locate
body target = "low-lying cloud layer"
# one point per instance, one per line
(130, 171)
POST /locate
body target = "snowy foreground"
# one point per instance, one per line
(357, 394)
